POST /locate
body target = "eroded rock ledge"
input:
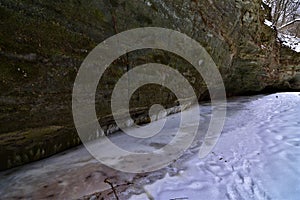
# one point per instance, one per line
(42, 44)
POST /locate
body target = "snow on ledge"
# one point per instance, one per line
(268, 23)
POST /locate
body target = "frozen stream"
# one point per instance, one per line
(257, 157)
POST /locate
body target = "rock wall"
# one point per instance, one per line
(42, 44)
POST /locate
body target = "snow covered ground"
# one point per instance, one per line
(257, 157)
(291, 41)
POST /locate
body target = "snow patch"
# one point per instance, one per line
(268, 23)
(149, 3)
(291, 41)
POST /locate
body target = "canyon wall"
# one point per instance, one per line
(42, 44)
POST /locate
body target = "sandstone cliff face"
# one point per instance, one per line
(42, 44)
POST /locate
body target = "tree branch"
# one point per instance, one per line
(289, 23)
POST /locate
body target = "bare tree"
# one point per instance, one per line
(284, 11)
